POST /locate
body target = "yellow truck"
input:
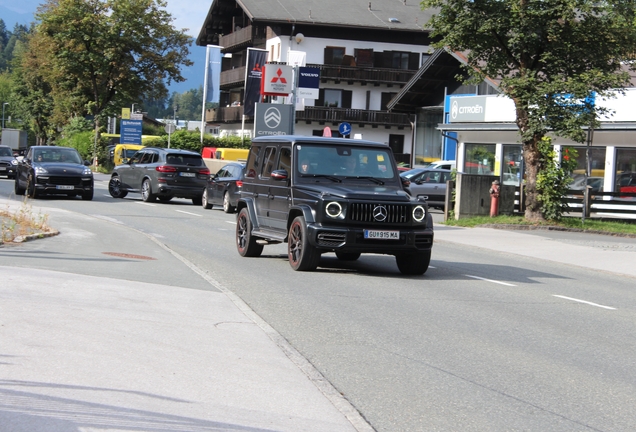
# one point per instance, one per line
(122, 152)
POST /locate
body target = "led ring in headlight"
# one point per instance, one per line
(419, 213)
(333, 209)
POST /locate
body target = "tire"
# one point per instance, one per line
(348, 256)
(165, 198)
(115, 189)
(197, 200)
(413, 264)
(227, 207)
(302, 255)
(146, 191)
(31, 190)
(17, 189)
(87, 195)
(245, 243)
(204, 200)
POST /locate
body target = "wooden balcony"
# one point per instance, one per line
(236, 39)
(233, 78)
(231, 114)
(357, 116)
(368, 75)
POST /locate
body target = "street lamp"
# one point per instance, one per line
(5, 103)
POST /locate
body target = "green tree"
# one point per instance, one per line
(105, 53)
(549, 57)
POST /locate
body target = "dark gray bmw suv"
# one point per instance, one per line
(330, 195)
(161, 173)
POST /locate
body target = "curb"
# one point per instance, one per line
(553, 228)
(22, 239)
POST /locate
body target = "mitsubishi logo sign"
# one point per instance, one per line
(380, 213)
(277, 80)
(272, 118)
(278, 76)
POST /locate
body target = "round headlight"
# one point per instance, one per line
(419, 213)
(333, 209)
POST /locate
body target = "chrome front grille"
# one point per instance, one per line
(379, 213)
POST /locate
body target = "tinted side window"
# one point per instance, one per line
(253, 162)
(146, 157)
(269, 160)
(284, 163)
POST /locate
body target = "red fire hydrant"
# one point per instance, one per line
(494, 199)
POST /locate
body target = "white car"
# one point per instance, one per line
(442, 164)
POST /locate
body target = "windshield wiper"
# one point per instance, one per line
(332, 178)
(373, 179)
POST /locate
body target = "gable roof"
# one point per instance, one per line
(394, 15)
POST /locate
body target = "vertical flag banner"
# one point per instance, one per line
(213, 74)
(256, 58)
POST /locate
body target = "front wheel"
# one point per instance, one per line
(146, 191)
(245, 243)
(302, 255)
(115, 189)
(227, 207)
(413, 264)
(87, 195)
(17, 188)
(31, 190)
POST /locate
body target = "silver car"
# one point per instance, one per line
(429, 184)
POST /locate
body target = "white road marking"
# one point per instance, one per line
(490, 280)
(583, 301)
(145, 203)
(193, 214)
(231, 222)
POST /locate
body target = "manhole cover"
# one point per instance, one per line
(125, 255)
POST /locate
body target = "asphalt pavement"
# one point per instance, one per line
(92, 338)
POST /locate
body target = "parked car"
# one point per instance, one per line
(429, 184)
(627, 184)
(442, 164)
(337, 195)
(51, 170)
(8, 162)
(224, 187)
(161, 173)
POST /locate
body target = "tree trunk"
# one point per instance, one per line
(531, 160)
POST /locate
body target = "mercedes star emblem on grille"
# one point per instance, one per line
(379, 213)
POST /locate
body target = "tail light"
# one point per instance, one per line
(166, 169)
(239, 183)
(204, 171)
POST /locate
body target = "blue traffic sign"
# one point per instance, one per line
(344, 128)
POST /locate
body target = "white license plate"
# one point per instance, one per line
(381, 235)
(3, 168)
(64, 187)
(186, 174)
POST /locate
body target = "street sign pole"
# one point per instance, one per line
(294, 87)
(170, 127)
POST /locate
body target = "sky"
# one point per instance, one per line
(186, 13)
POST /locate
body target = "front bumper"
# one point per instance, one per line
(9, 170)
(351, 239)
(54, 185)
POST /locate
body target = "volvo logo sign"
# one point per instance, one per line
(272, 118)
(380, 213)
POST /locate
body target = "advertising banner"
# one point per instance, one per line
(308, 83)
(256, 59)
(273, 119)
(213, 74)
(130, 132)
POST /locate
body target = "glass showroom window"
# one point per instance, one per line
(480, 159)
(597, 168)
(512, 170)
(625, 169)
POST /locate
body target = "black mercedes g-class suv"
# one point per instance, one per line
(330, 195)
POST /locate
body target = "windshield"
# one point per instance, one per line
(62, 155)
(5, 151)
(314, 160)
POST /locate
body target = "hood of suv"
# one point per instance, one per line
(58, 168)
(372, 192)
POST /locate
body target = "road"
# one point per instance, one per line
(484, 340)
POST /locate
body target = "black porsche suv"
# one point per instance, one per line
(330, 195)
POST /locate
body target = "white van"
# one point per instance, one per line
(443, 164)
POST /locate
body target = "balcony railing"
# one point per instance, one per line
(363, 74)
(231, 114)
(230, 78)
(237, 38)
(350, 115)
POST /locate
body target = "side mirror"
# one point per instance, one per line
(280, 174)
